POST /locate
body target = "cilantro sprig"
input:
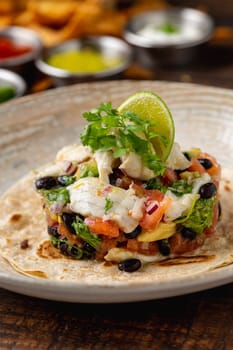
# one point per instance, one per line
(108, 204)
(123, 133)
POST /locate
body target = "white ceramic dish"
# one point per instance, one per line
(203, 117)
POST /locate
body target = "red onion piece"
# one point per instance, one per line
(56, 207)
(106, 190)
(151, 207)
(68, 167)
(88, 221)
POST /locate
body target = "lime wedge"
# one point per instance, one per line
(148, 105)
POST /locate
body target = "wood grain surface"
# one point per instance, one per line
(201, 321)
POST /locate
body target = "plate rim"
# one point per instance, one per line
(206, 280)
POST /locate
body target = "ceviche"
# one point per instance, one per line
(127, 194)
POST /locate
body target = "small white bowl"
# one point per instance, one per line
(169, 52)
(8, 78)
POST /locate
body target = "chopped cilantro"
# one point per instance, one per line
(108, 205)
(123, 133)
(168, 28)
(71, 250)
(59, 194)
(155, 184)
(83, 232)
(87, 169)
(66, 180)
(180, 187)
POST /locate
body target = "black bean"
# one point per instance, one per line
(64, 248)
(87, 247)
(205, 162)
(186, 154)
(163, 246)
(130, 265)
(116, 174)
(75, 252)
(207, 190)
(219, 210)
(53, 231)
(134, 233)
(68, 219)
(188, 233)
(123, 4)
(45, 183)
(65, 180)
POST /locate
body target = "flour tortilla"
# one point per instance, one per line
(22, 218)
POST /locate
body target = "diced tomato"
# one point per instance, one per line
(154, 195)
(140, 191)
(150, 221)
(181, 245)
(102, 227)
(169, 177)
(210, 230)
(196, 166)
(215, 170)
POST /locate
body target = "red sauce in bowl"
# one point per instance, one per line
(8, 49)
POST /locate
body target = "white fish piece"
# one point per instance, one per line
(179, 205)
(176, 159)
(53, 169)
(104, 162)
(74, 153)
(199, 181)
(133, 166)
(88, 197)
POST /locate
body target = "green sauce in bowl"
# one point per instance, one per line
(83, 61)
(7, 92)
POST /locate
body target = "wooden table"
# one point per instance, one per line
(199, 321)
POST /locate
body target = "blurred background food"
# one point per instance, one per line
(85, 59)
(57, 21)
(169, 37)
(11, 85)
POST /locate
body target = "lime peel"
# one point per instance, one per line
(150, 106)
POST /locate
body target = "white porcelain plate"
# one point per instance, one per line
(33, 128)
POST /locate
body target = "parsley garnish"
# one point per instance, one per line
(108, 204)
(122, 133)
